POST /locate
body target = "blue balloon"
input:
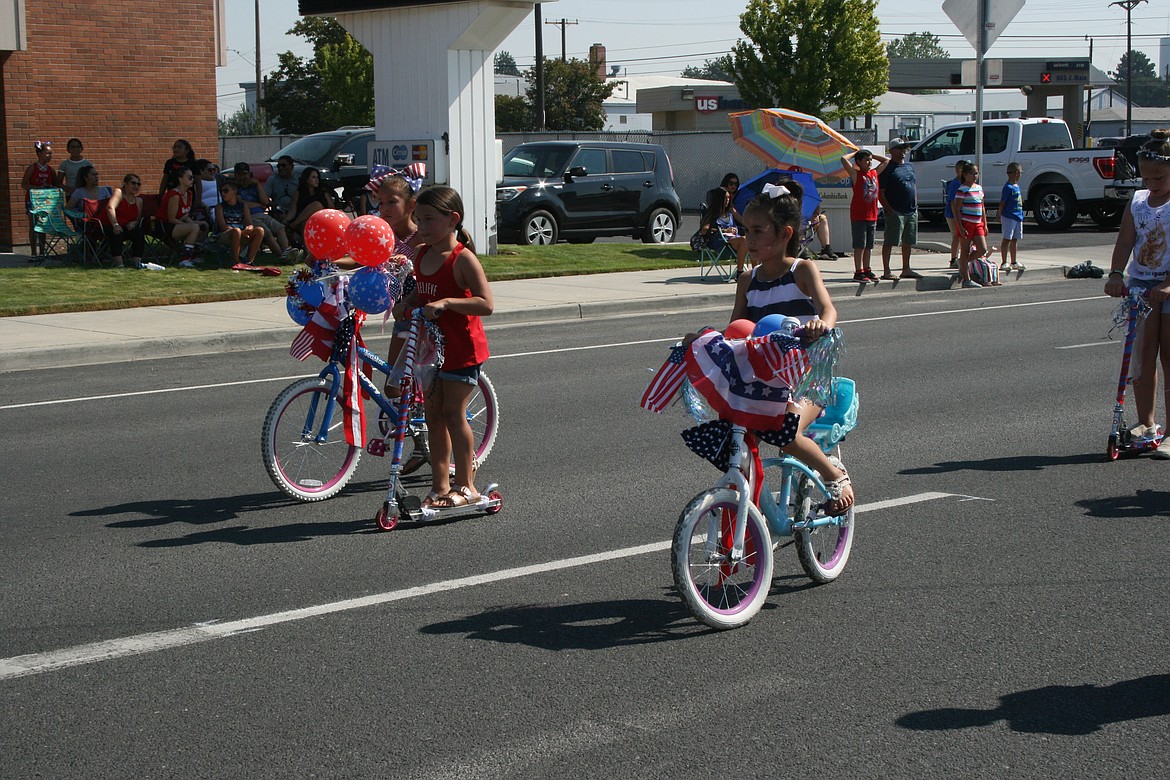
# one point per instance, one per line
(297, 310)
(312, 292)
(769, 324)
(369, 290)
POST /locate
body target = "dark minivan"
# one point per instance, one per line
(577, 191)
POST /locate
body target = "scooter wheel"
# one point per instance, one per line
(1111, 451)
(494, 495)
(386, 521)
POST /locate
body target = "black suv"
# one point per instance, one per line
(580, 190)
(340, 155)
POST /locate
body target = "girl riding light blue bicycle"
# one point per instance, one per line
(775, 386)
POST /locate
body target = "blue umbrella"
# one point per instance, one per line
(755, 185)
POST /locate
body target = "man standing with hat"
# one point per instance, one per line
(898, 192)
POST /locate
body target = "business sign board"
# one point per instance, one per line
(398, 154)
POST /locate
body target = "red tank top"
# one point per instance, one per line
(126, 212)
(41, 177)
(466, 343)
(184, 204)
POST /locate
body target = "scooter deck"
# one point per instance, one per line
(490, 501)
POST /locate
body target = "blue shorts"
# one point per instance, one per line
(1013, 229)
(1148, 284)
(468, 375)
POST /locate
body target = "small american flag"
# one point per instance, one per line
(777, 358)
(317, 337)
(666, 382)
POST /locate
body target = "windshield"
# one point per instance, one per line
(312, 149)
(539, 161)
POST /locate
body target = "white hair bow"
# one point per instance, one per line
(775, 190)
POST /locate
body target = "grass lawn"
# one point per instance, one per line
(36, 290)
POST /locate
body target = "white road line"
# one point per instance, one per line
(1094, 344)
(95, 652)
(155, 392)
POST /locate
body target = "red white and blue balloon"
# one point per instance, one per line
(369, 290)
(325, 233)
(369, 240)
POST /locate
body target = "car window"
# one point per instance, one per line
(995, 139)
(592, 160)
(627, 161)
(536, 160)
(359, 147)
(310, 149)
(960, 140)
(1045, 135)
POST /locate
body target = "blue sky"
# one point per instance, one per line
(664, 36)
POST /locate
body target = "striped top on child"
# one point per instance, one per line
(778, 296)
(970, 200)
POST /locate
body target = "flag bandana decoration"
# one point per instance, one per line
(666, 382)
(415, 174)
(747, 381)
(712, 440)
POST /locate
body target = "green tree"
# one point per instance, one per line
(821, 57)
(573, 95)
(505, 64)
(244, 122)
(513, 114)
(333, 88)
(718, 69)
(1148, 89)
(917, 46)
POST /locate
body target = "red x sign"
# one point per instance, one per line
(1045, 78)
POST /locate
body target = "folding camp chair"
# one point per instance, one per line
(158, 247)
(92, 241)
(719, 259)
(47, 212)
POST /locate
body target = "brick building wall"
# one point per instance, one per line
(126, 77)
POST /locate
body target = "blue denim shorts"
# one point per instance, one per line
(468, 375)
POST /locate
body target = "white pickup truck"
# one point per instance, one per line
(1059, 182)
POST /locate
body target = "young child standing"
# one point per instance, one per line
(1011, 218)
(952, 189)
(972, 223)
(69, 168)
(784, 284)
(1144, 241)
(37, 175)
(453, 290)
(863, 208)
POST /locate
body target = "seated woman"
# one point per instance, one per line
(174, 214)
(309, 198)
(719, 225)
(123, 219)
(235, 224)
(86, 187)
(207, 180)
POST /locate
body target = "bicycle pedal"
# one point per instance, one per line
(376, 447)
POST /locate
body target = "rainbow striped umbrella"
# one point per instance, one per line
(789, 139)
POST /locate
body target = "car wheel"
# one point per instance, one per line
(660, 228)
(538, 229)
(1054, 207)
(1107, 216)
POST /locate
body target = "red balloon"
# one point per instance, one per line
(369, 240)
(739, 329)
(325, 234)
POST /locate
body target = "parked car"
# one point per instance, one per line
(577, 191)
(340, 155)
(1059, 182)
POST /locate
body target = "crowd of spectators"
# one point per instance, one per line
(196, 206)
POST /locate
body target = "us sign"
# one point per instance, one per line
(706, 104)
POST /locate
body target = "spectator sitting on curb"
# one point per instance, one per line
(281, 187)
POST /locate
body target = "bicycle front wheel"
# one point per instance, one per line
(720, 591)
(824, 549)
(301, 465)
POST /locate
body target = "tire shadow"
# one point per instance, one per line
(1012, 463)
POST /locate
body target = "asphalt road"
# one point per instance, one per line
(1013, 626)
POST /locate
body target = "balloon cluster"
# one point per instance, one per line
(329, 235)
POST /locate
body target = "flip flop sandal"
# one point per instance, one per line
(450, 500)
(431, 499)
(835, 488)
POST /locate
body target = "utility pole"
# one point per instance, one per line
(1085, 136)
(259, 84)
(539, 107)
(562, 24)
(1128, 5)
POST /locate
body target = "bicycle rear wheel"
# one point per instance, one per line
(301, 466)
(824, 550)
(483, 414)
(721, 592)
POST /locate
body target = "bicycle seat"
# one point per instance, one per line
(839, 418)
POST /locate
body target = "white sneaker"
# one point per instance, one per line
(1145, 435)
(152, 267)
(971, 284)
(186, 264)
(1163, 451)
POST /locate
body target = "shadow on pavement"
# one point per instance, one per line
(1057, 709)
(1010, 463)
(1143, 504)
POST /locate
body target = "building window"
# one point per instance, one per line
(622, 119)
